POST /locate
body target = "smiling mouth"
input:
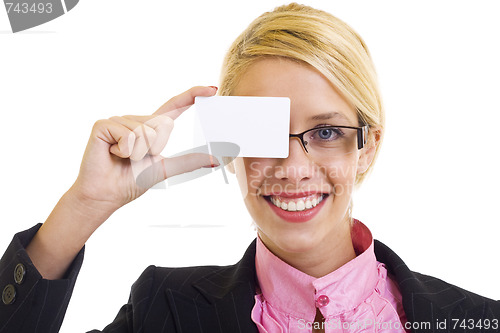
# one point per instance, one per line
(296, 204)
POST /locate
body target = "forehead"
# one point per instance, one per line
(313, 98)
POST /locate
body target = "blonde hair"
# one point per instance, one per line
(317, 38)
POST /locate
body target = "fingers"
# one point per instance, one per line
(161, 124)
(135, 136)
(178, 104)
(189, 162)
(149, 172)
(149, 134)
(118, 136)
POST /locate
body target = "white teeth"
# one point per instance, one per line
(297, 204)
(301, 205)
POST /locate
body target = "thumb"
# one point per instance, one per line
(161, 168)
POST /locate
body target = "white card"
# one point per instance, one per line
(258, 125)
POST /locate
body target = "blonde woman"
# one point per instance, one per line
(313, 267)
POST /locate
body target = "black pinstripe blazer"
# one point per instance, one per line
(215, 299)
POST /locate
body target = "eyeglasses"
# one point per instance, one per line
(332, 140)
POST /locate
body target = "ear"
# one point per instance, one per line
(368, 152)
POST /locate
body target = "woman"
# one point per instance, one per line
(312, 266)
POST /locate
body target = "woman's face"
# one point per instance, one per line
(325, 182)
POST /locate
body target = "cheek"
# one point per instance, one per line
(342, 175)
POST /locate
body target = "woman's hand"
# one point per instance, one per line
(122, 160)
(120, 163)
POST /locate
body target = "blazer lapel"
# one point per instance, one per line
(224, 303)
(425, 299)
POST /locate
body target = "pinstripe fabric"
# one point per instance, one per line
(40, 305)
(212, 299)
(430, 300)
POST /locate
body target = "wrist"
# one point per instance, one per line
(94, 211)
(74, 219)
(68, 227)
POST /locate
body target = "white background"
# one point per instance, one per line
(433, 197)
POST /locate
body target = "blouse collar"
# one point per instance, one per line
(293, 292)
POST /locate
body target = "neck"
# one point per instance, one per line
(327, 256)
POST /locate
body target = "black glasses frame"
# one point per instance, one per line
(362, 133)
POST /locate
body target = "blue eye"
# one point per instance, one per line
(327, 134)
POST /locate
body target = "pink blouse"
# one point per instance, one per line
(357, 297)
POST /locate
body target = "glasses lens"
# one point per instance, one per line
(331, 142)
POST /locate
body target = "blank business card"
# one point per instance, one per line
(258, 125)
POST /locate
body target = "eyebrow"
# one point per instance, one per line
(328, 115)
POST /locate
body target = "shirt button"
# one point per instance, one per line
(9, 294)
(19, 273)
(322, 300)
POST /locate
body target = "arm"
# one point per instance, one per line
(121, 162)
(64, 234)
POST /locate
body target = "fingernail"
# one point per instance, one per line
(214, 87)
(210, 166)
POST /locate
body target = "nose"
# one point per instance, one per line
(297, 166)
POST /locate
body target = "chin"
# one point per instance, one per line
(292, 241)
